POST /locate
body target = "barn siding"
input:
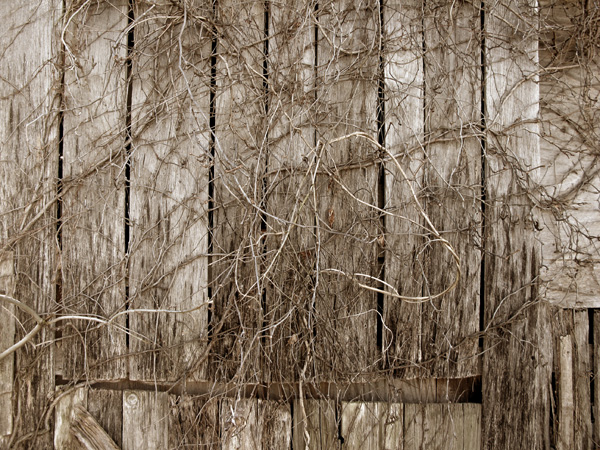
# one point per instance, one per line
(250, 197)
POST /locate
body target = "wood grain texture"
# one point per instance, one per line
(65, 417)
(290, 203)
(451, 192)
(596, 379)
(439, 426)
(315, 425)
(404, 124)
(574, 367)
(106, 407)
(569, 113)
(29, 47)
(145, 420)
(89, 433)
(93, 228)
(372, 426)
(170, 157)
(516, 375)
(7, 338)
(347, 195)
(258, 424)
(566, 406)
(239, 164)
(194, 422)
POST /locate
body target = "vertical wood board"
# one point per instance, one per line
(29, 47)
(7, 338)
(452, 187)
(93, 222)
(516, 376)
(289, 191)
(315, 425)
(238, 163)
(347, 194)
(170, 157)
(404, 127)
(145, 420)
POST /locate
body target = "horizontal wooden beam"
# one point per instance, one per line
(431, 390)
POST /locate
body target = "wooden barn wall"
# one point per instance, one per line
(266, 224)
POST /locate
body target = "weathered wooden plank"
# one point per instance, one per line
(7, 338)
(239, 161)
(472, 426)
(452, 187)
(145, 420)
(566, 407)
(169, 191)
(574, 386)
(596, 380)
(194, 422)
(371, 425)
(29, 47)
(348, 223)
(360, 425)
(516, 376)
(89, 433)
(569, 92)
(93, 231)
(442, 426)
(64, 419)
(252, 423)
(315, 425)
(404, 127)
(290, 204)
(106, 406)
(277, 424)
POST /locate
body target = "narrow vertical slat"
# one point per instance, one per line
(30, 45)
(404, 123)
(452, 187)
(596, 373)
(93, 229)
(145, 420)
(289, 195)
(238, 162)
(582, 371)
(169, 191)
(566, 402)
(393, 426)
(516, 376)
(347, 194)
(193, 422)
(315, 425)
(7, 338)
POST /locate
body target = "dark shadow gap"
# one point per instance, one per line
(211, 170)
(381, 200)
(482, 140)
(128, 149)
